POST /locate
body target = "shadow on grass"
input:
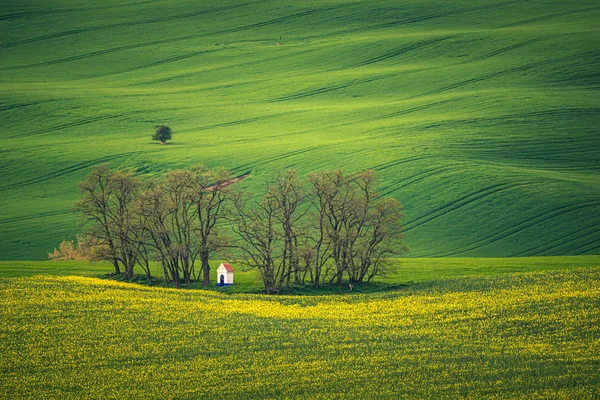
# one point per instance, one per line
(247, 288)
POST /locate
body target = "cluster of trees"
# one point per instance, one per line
(172, 219)
(316, 231)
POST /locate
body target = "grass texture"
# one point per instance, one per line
(480, 116)
(404, 272)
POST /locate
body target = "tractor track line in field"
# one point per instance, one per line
(408, 20)
(9, 107)
(583, 248)
(158, 42)
(503, 50)
(71, 169)
(122, 25)
(422, 18)
(80, 122)
(33, 216)
(461, 202)
(165, 61)
(399, 51)
(513, 230)
(233, 123)
(251, 166)
(497, 74)
(272, 21)
(411, 180)
(25, 14)
(229, 66)
(327, 89)
(560, 242)
(381, 167)
(546, 17)
(410, 110)
(559, 112)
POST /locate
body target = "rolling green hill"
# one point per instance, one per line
(481, 117)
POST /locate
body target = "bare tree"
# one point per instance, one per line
(357, 230)
(168, 213)
(154, 217)
(381, 240)
(210, 194)
(270, 230)
(255, 224)
(107, 207)
(288, 196)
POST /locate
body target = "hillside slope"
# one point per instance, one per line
(481, 117)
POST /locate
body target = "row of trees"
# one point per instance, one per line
(315, 231)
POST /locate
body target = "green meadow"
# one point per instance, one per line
(404, 272)
(480, 117)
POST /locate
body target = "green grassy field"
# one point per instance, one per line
(405, 271)
(481, 117)
(517, 335)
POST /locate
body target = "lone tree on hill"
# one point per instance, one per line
(162, 133)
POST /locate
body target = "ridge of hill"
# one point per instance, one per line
(481, 117)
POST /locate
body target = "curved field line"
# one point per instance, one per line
(504, 72)
(8, 107)
(252, 165)
(584, 248)
(545, 17)
(229, 66)
(68, 170)
(327, 89)
(409, 110)
(165, 61)
(157, 42)
(503, 50)
(560, 242)
(95, 53)
(25, 14)
(32, 216)
(381, 167)
(416, 179)
(539, 219)
(122, 25)
(272, 21)
(461, 202)
(232, 123)
(422, 18)
(558, 112)
(84, 121)
(397, 52)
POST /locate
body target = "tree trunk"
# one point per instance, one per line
(317, 277)
(176, 280)
(340, 277)
(116, 265)
(205, 270)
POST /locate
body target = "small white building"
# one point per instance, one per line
(224, 275)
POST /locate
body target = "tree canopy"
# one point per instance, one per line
(162, 133)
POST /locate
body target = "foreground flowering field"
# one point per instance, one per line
(534, 335)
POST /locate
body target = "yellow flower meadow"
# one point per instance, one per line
(512, 336)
